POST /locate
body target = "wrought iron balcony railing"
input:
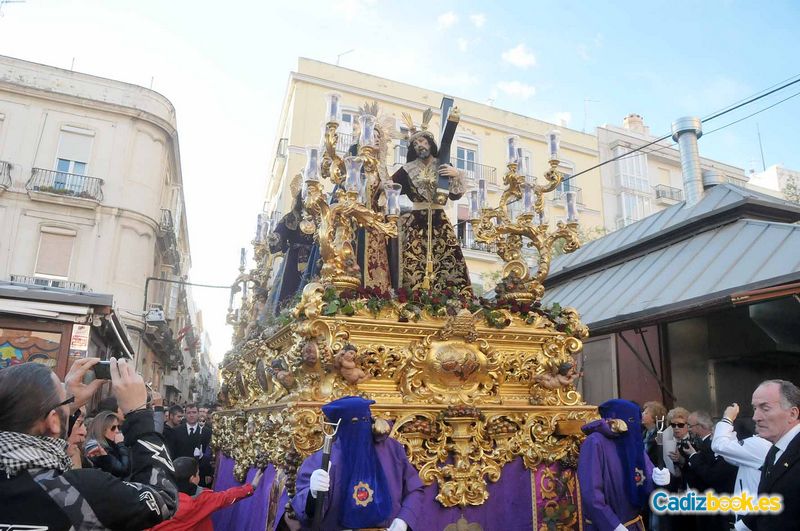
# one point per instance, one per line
(49, 282)
(470, 244)
(345, 141)
(66, 184)
(475, 172)
(668, 192)
(5, 175)
(561, 195)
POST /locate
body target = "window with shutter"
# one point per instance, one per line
(55, 253)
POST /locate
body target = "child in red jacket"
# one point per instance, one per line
(195, 504)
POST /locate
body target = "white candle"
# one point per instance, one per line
(333, 108)
(311, 171)
(473, 204)
(392, 198)
(481, 193)
(572, 208)
(512, 149)
(353, 167)
(527, 197)
(553, 141)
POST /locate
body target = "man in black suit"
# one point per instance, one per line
(172, 424)
(190, 439)
(776, 406)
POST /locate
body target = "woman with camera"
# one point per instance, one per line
(104, 447)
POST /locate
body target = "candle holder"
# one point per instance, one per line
(494, 225)
(336, 223)
(332, 166)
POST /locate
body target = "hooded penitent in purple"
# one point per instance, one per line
(613, 469)
(378, 470)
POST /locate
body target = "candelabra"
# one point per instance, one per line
(495, 225)
(335, 223)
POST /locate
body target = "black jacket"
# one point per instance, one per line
(705, 470)
(91, 498)
(116, 462)
(784, 480)
(182, 444)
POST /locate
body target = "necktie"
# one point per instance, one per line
(191, 432)
(769, 462)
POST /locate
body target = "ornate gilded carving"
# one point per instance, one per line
(494, 225)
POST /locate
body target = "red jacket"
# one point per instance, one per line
(194, 513)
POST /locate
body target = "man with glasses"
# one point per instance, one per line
(39, 489)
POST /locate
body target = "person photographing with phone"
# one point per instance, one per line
(38, 487)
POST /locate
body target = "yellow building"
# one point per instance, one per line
(479, 148)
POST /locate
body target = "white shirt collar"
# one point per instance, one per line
(784, 441)
(191, 427)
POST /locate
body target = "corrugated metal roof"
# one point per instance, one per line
(714, 200)
(721, 260)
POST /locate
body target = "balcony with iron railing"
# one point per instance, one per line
(48, 282)
(468, 242)
(668, 194)
(474, 172)
(5, 175)
(344, 142)
(59, 186)
(561, 194)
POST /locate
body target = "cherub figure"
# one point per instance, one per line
(565, 375)
(309, 353)
(345, 363)
(282, 374)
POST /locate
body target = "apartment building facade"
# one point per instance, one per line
(91, 200)
(644, 182)
(480, 147)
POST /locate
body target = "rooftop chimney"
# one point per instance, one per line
(635, 123)
(712, 177)
(686, 131)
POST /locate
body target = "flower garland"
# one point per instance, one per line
(410, 306)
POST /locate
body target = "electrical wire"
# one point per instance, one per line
(734, 106)
(752, 114)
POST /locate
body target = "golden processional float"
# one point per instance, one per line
(469, 386)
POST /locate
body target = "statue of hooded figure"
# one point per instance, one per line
(370, 482)
(615, 474)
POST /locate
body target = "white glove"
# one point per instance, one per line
(197, 453)
(398, 525)
(660, 476)
(620, 527)
(320, 482)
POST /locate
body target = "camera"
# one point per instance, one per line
(684, 444)
(100, 371)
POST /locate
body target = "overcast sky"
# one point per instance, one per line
(225, 66)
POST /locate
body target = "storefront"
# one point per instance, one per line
(54, 327)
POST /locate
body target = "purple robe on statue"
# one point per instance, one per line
(602, 484)
(402, 478)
